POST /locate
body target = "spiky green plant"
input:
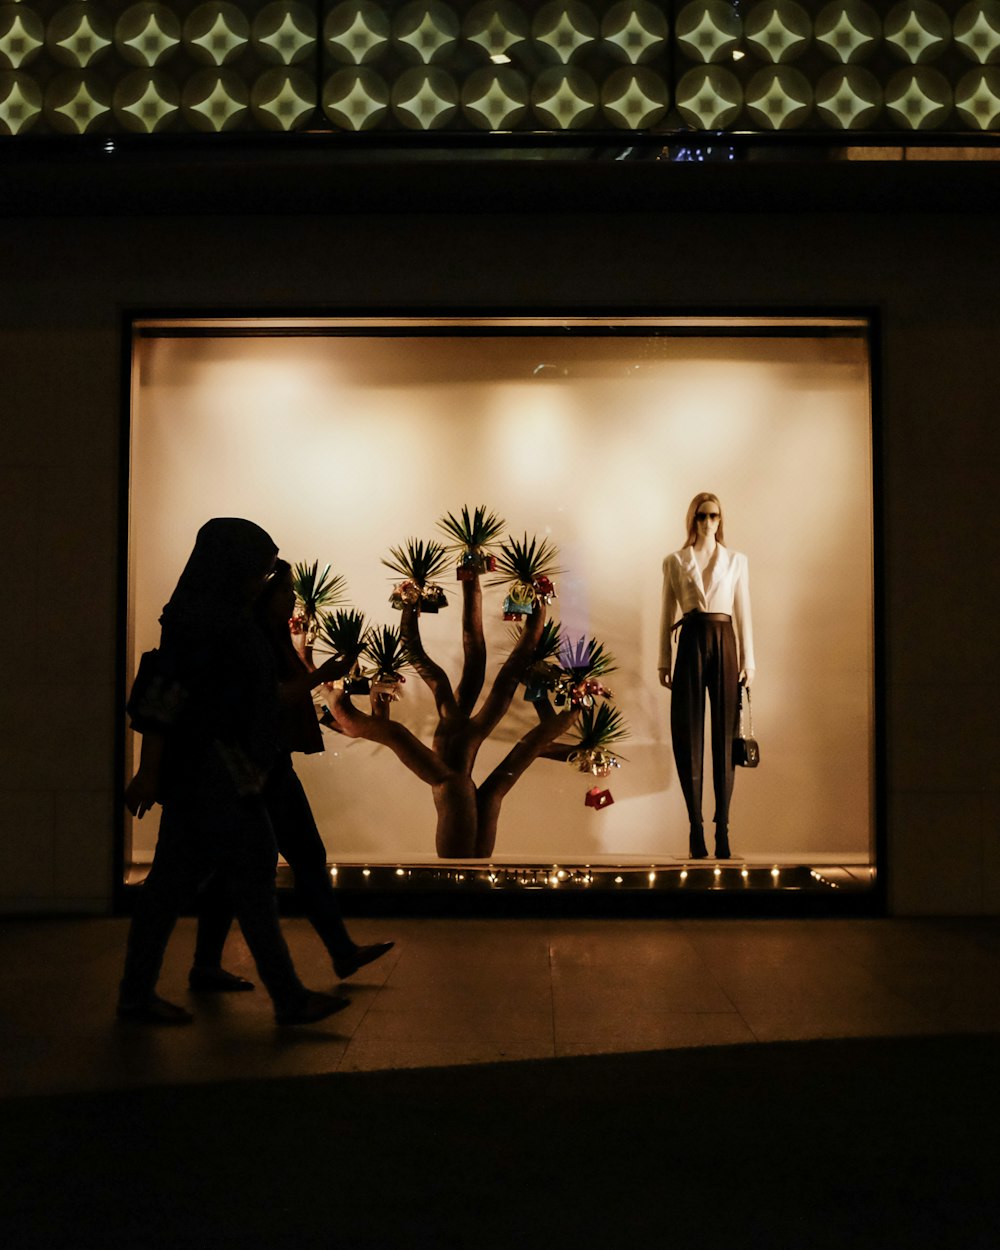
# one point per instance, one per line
(549, 644)
(601, 727)
(586, 658)
(418, 561)
(471, 533)
(344, 632)
(385, 649)
(522, 560)
(316, 590)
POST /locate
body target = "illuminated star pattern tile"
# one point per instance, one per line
(280, 97)
(288, 42)
(635, 99)
(82, 42)
(635, 30)
(779, 98)
(496, 101)
(152, 41)
(496, 28)
(424, 99)
(778, 32)
(22, 36)
(977, 98)
(219, 109)
(917, 32)
(357, 33)
(81, 110)
(151, 107)
(356, 99)
(848, 98)
(918, 99)
(564, 99)
(977, 31)
(707, 31)
(709, 98)
(223, 40)
(427, 31)
(20, 102)
(565, 29)
(847, 32)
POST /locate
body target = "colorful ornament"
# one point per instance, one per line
(598, 799)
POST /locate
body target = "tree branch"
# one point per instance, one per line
(505, 683)
(473, 646)
(417, 757)
(432, 674)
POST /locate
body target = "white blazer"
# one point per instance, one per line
(725, 588)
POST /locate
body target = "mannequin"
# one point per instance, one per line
(706, 599)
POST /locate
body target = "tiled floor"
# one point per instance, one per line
(472, 991)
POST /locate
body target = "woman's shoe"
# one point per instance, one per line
(310, 1009)
(722, 850)
(696, 844)
(347, 965)
(217, 981)
(153, 1010)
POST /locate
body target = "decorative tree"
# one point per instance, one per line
(562, 681)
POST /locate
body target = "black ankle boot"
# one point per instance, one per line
(696, 843)
(722, 843)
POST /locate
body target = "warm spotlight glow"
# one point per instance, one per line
(618, 880)
(400, 872)
(775, 872)
(744, 873)
(333, 871)
(652, 877)
(684, 874)
(366, 872)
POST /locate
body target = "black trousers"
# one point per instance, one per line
(300, 843)
(234, 842)
(706, 661)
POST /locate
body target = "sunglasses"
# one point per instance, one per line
(707, 516)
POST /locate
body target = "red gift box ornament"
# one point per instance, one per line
(598, 798)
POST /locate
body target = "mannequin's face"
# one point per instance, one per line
(706, 519)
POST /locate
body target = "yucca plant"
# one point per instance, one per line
(417, 561)
(384, 648)
(586, 658)
(549, 644)
(317, 590)
(344, 632)
(601, 727)
(523, 560)
(471, 533)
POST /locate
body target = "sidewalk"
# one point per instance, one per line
(479, 991)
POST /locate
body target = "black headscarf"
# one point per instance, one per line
(227, 551)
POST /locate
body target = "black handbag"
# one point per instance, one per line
(746, 752)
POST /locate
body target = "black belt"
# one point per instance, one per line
(701, 616)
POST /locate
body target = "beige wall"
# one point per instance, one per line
(62, 289)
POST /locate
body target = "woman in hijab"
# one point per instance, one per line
(206, 704)
(295, 830)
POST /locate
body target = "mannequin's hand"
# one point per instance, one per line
(746, 676)
(665, 678)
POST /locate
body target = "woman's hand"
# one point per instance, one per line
(140, 793)
(746, 676)
(665, 678)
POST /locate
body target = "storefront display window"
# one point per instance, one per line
(365, 443)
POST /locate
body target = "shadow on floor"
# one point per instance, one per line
(847, 1144)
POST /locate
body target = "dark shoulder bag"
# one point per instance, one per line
(746, 752)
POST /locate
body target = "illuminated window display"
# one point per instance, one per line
(378, 446)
